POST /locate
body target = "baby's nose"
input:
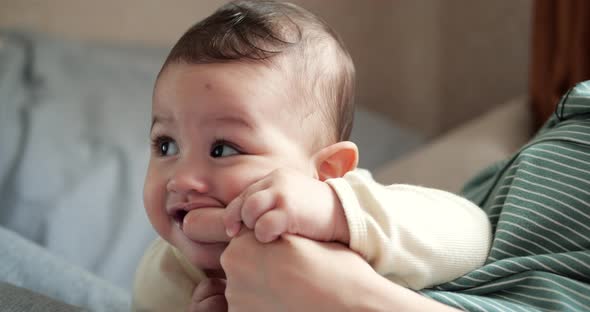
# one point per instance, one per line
(187, 179)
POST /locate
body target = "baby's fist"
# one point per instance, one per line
(286, 201)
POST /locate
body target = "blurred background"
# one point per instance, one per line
(444, 88)
(425, 64)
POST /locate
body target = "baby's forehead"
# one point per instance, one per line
(229, 88)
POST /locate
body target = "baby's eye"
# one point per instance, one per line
(222, 149)
(165, 147)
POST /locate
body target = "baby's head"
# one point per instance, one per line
(316, 70)
(256, 86)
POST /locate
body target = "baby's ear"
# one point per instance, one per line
(335, 160)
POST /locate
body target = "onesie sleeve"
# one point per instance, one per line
(415, 236)
(163, 281)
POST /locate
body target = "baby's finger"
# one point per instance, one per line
(205, 225)
(256, 205)
(271, 225)
(232, 216)
(233, 212)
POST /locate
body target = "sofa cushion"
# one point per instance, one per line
(449, 161)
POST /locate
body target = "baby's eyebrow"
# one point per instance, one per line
(160, 119)
(234, 120)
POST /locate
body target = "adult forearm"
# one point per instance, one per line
(385, 296)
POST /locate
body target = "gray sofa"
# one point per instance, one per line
(18, 299)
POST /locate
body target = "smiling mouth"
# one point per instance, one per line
(179, 217)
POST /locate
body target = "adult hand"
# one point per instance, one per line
(297, 274)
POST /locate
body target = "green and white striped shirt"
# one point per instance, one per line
(539, 205)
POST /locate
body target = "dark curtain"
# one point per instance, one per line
(560, 52)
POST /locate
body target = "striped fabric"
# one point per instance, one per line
(539, 204)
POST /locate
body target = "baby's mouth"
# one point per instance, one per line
(179, 217)
(177, 212)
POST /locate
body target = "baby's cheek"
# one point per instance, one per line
(154, 204)
(232, 190)
(234, 184)
(158, 220)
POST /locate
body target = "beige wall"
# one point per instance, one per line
(428, 64)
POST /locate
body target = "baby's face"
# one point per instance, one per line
(217, 128)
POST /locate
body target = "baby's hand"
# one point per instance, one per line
(209, 296)
(286, 201)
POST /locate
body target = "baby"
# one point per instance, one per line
(251, 111)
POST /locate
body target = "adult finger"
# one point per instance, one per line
(205, 225)
(240, 250)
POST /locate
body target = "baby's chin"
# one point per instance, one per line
(215, 273)
(204, 256)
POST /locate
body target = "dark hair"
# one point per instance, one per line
(259, 31)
